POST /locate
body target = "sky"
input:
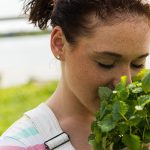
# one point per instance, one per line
(10, 8)
(13, 8)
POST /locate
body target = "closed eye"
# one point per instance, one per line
(106, 66)
(137, 66)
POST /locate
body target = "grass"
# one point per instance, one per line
(15, 101)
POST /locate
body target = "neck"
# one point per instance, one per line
(67, 106)
(73, 117)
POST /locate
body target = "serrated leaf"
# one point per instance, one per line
(116, 111)
(123, 128)
(119, 108)
(142, 113)
(123, 107)
(140, 75)
(137, 90)
(146, 82)
(134, 120)
(124, 94)
(142, 99)
(122, 84)
(146, 102)
(131, 86)
(118, 117)
(132, 142)
(103, 108)
(107, 123)
(120, 89)
(104, 93)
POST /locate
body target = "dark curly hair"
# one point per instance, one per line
(72, 15)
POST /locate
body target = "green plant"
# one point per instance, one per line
(123, 120)
(14, 101)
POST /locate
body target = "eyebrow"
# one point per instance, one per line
(116, 54)
(144, 55)
(107, 53)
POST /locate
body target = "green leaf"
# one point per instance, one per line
(132, 142)
(116, 111)
(122, 84)
(124, 115)
(123, 107)
(91, 139)
(140, 75)
(124, 94)
(131, 86)
(147, 136)
(119, 109)
(107, 124)
(121, 90)
(104, 93)
(98, 137)
(146, 102)
(142, 114)
(143, 100)
(124, 80)
(104, 143)
(146, 82)
(93, 126)
(103, 108)
(134, 120)
(123, 128)
(137, 90)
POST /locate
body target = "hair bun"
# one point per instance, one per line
(40, 12)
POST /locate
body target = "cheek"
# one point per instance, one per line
(85, 77)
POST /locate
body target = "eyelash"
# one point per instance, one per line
(106, 66)
(112, 66)
(137, 66)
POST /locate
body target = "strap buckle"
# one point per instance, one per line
(57, 141)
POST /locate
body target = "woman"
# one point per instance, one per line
(96, 41)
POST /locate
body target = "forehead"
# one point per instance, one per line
(131, 35)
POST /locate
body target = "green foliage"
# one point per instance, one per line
(15, 101)
(123, 120)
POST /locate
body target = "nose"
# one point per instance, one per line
(122, 72)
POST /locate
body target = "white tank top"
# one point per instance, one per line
(48, 126)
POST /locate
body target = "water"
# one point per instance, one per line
(22, 58)
(16, 26)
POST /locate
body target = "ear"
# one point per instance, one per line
(57, 42)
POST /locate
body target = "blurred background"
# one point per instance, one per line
(28, 70)
(24, 50)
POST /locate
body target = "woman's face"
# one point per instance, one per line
(113, 51)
